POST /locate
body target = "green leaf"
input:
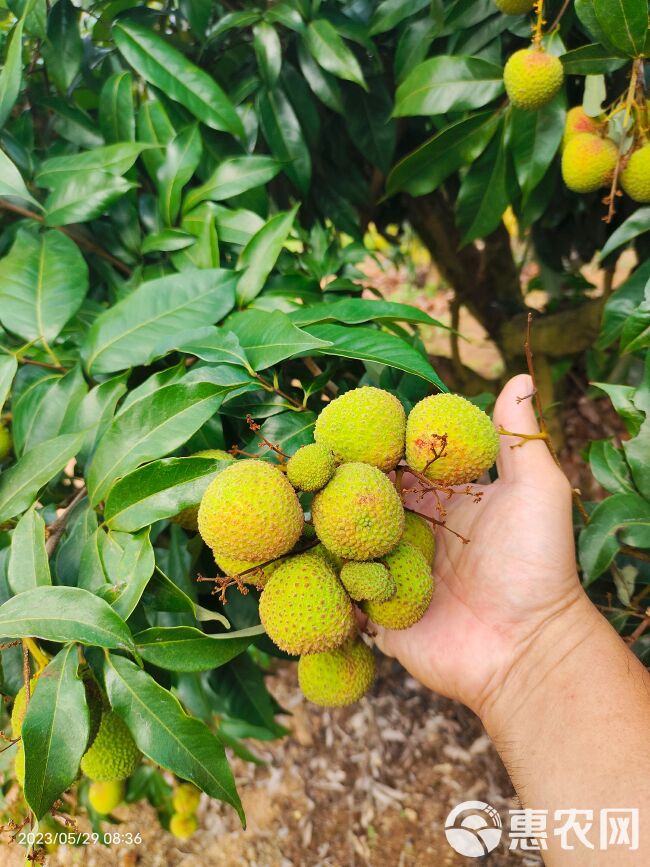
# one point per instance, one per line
(260, 255)
(536, 138)
(622, 398)
(635, 225)
(622, 304)
(485, 191)
(177, 77)
(133, 573)
(11, 75)
(184, 648)
(28, 565)
(84, 197)
(390, 13)
(94, 412)
(63, 48)
(167, 241)
(635, 334)
(209, 343)
(8, 368)
(116, 109)
(268, 338)
(116, 159)
(288, 430)
(591, 60)
(55, 731)
(284, 136)
(353, 311)
(619, 518)
(448, 83)
(166, 734)
(44, 281)
(201, 224)
(181, 160)
(156, 129)
(47, 417)
(369, 121)
(324, 85)
(241, 690)
(331, 52)
(151, 427)
(64, 614)
(159, 490)
(233, 177)
(609, 468)
(425, 168)
(126, 334)
(237, 226)
(12, 185)
(637, 453)
(625, 22)
(367, 344)
(21, 483)
(268, 51)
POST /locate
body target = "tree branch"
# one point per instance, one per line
(81, 240)
(56, 528)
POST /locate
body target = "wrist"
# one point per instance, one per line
(545, 663)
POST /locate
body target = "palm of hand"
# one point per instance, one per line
(494, 593)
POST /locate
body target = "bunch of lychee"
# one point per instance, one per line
(358, 547)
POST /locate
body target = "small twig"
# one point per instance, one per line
(26, 672)
(255, 427)
(78, 239)
(268, 386)
(44, 364)
(640, 629)
(9, 644)
(56, 528)
(558, 18)
(438, 523)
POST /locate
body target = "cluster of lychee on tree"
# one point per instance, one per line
(359, 554)
(112, 756)
(597, 151)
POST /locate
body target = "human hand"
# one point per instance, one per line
(511, 586)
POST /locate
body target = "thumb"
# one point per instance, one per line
(514, 412)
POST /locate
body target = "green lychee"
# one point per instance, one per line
(183, 827)
(532, 78)
(311, 468)
(358, 515)
(418, 532)
(367, 580)
(588, 162)
(415, 587)
(188, 518)
(635, 177)
(450, 440)
(337, 677)
(365, 424)
(304, 607)
(113, 754)
(250, 512)
(105, 797)
(186, 799)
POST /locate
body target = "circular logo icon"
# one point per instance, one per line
(473, 828)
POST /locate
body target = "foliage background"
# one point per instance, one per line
(187, 191)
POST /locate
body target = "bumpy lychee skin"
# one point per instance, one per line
(182, 827)
(232, 566)
(635, 178)
(105, 797)
(304, 607)
(113, 754)
(251, 512)
(588, 162)
(532, 78)
(311, 468)
(514, 7)
(578, 122)
(450, 440)
(359, 514)
(367, 580)
(415, 587)
(418, 532)
(188, 518)
(365, 424)
(337, 677)
(186, 799)
(5, 442)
